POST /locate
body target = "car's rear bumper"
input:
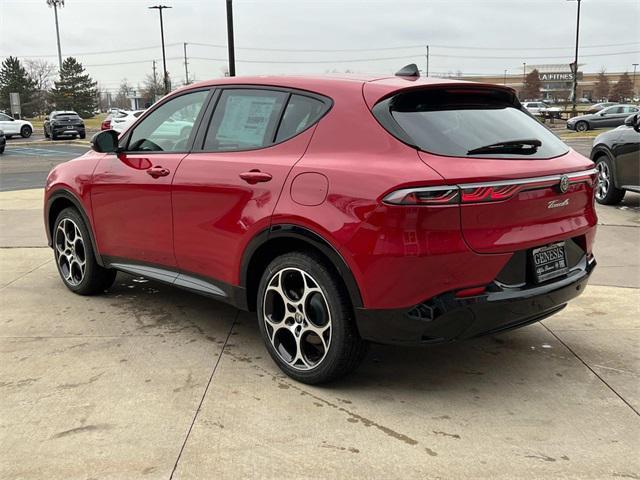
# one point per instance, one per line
(447, 318)
(69, 130)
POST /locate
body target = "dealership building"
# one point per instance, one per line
(556, 80)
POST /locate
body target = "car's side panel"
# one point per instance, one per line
(132, 209)
(626, 151)
(216, 213)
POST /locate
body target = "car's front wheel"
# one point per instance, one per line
(606, 191)
(26, 131)
(582, 126)
(75, 258)
(306, 319)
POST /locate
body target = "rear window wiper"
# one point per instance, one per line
(519, 147)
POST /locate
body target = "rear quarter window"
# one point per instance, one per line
(455, 121)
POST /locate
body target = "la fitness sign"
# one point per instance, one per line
(558, 76)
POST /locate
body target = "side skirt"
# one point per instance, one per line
(231, 294)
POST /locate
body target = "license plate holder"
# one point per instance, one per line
(549, 261)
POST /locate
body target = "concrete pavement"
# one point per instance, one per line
(147, 381)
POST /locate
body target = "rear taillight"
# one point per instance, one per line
(489, 191)
(424, 196)
(106, 125)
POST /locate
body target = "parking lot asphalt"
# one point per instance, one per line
(147, 381)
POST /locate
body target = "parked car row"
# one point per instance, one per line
(542, 109)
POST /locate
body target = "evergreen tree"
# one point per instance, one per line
(602, 86)
(75, 90)
(532, 84)
(623, 90)
(14, 78)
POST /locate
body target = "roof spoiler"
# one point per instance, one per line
(410, 70)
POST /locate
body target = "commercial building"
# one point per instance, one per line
(556, 81)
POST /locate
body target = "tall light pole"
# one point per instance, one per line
(574, 90)
(55, 4)
(230, 43)
(635, 65)
(164, 58)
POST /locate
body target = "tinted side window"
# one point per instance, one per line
(244, 119)
(4, 118)
(168, 127)
(301, 112)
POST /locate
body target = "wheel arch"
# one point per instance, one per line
(58, 201)
(601, 150)
(279, 239)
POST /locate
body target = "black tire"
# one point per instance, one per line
(95, 279)
(582, 126)
(606, 192)
(1, 149)
(345, 348)
(46, 135)
(54, 137)
(26, 131)
(83, 136)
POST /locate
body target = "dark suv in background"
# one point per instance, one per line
(63, 123)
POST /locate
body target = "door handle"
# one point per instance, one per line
(158, 171)
(255, 176)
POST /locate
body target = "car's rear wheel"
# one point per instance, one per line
(26, 131)
(606, 192)
(83, 136)
(306, 319)
(75, 258)
(582, 126)
(46, 134)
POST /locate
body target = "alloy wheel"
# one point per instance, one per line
(604, 180)
(70, 252)
(297, 318)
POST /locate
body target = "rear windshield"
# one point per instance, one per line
(457, 121)
(66, 115)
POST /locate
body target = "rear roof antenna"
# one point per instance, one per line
(410, 70)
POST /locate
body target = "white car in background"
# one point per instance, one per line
(10, 126)
(173, 128)
(121, 119)
(542, 109)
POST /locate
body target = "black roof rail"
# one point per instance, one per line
(410, 70)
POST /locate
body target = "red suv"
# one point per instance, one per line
(342, 210)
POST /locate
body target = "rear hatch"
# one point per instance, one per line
(519, 185)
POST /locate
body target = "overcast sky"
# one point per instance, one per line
(460, 33)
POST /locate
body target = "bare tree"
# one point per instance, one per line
(602, 86)
(122, 97)
(42, 73)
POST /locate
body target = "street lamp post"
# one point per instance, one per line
(230, 42)
(635, 65)
(575, 64)
(164, 58)
(55, 4)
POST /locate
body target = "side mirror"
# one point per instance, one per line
(105, 141)
(602, 114)
(631, 120)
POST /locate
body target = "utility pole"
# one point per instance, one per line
(427, 61)
(55, 4)
(635, 65)
(164, 58)
(524, 79)
(155, 77)
(575, 65)
(186, 65)
(230, 44)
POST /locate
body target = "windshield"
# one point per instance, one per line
(66, 115)
(454, 122)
